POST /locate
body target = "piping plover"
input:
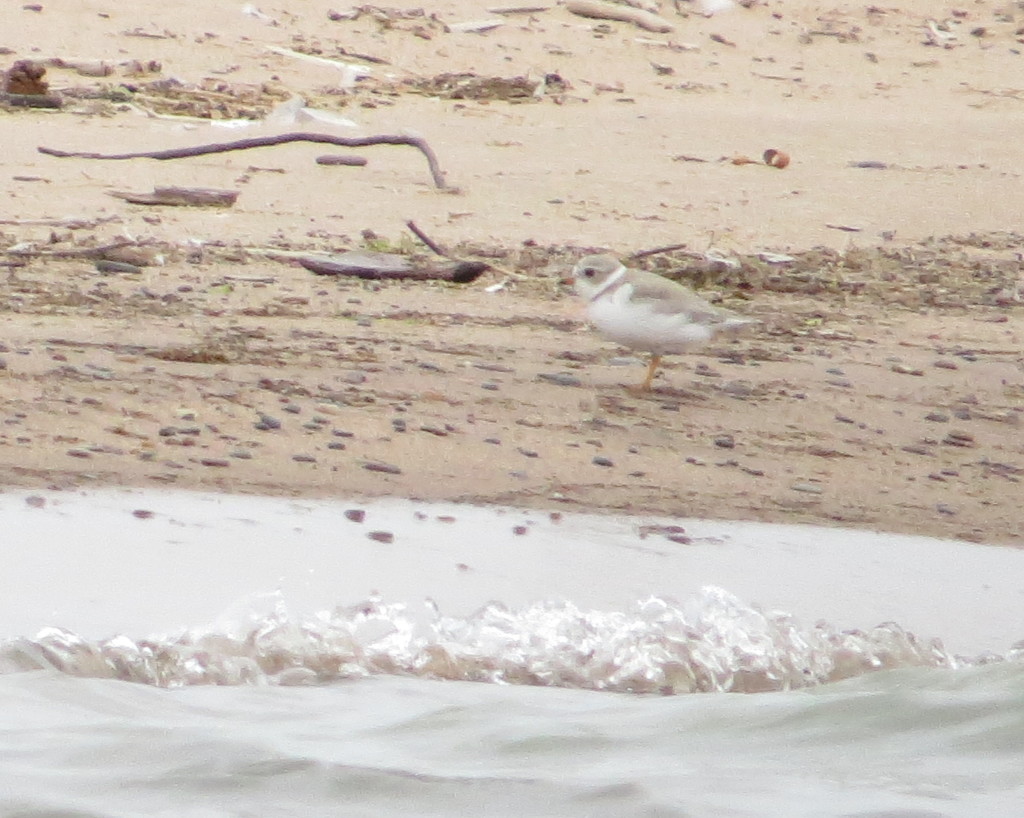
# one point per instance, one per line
(648, 312)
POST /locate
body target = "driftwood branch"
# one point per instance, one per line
(390, 267)
(437, 248)
(265, 141)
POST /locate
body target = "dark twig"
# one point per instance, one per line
(655, 251)
(425, 238)
(458, 272)
(265, 141)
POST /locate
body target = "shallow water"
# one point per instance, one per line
(227, 657)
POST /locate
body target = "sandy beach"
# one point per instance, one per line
(883, 390)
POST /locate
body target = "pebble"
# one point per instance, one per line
(356, 515)
(214, 462)
(79, 453)
(293, 408)
(738, 389)
(942, 363)
(336, 445)
(399, 424)
(494, 441)
(382, 536)
(303, 458)
(526, 452)
(959, 438)
(341, 433)
(725, 442)
(559, 378)
(916, 448)
(519, 530)
(241, 454)
(903, 369)
(35, 501)
(937, 417)
(267, 422)
(806, 488)
(434, 430)
(491, 386)
(602, 461)
(142, 514)
(383, 468)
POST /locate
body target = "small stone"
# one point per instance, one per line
(959, 438)
(381, 536)
(903, 369)
(355, 515)
(336, 445)
(725, 442)
(943, 508)
(383, 468)
(602, 461)
(494, 441)
(35, 501)
(916, 448)
(341, 433)
(490, 386)
(293, 408)
(519, 530)
(560, 378)
(844, 419)
(942, 363)
(241, 454)
(167, 431)
(806, 488)
(79, 453)
(527, 452)
(214, 462)
(267, 422)
(399, 424)
(434, 430)
(142, 514)
(937, 417)
(303, 458)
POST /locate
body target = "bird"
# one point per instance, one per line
(648, 312)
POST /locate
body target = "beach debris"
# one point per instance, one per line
(518, 9)
(390, 266)
(938, 34)
(249, 10)
(27, 78)
(467, 85)
(599, 10)
(776, 158)
(24, 85)
(180, 197)
(265, 141)
(477, 27)
(350, 72)
(339, 159)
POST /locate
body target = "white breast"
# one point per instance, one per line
(635, 325)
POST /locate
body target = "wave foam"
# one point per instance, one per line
(712, 643)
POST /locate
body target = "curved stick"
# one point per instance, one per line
(263, 141)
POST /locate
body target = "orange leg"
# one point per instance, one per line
(651, 367)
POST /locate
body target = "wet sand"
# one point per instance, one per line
(228, 563)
